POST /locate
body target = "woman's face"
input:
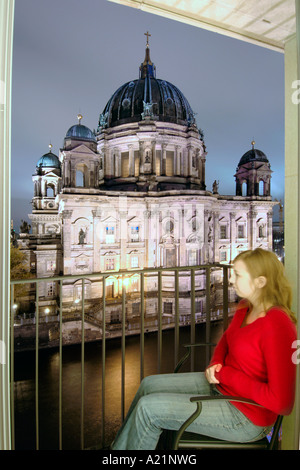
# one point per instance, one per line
(242, 281)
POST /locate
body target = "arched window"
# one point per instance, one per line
(82, 176)
(79, 179)
(261, 188)
(244, 188)
(50, 191)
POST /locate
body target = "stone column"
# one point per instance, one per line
(66, 241)
(206, 240)
(177, 158)
(116, 158)
(110, 161)
(153, 161)
(216, 237)
(251, 222)
(123, 239)
(131, 160)
(97, 243)
(190, 162)
(66, 179)
(73, 176)
(203, 160)
(232, 229)
(182, 238)
(270, 229)
(163, 159)
(183, 162)
(141, 158)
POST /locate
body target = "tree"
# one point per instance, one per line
(18, 269)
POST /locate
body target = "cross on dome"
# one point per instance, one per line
(147, 34)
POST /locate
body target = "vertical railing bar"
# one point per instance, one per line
(12, 369)
(192, 318)
(123, 350)
(207, 324)
(103, 358)
(225, 298)
(142, 330)
(82, 367)
(159, 338)
(60, 367)
(176, 317)
(37, 366)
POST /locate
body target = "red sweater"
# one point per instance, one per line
(257, 364)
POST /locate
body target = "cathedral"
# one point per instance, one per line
(132, 195)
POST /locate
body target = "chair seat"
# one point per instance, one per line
(199, 441)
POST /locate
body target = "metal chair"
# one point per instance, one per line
(183, 439)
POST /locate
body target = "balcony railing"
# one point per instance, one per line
(84, 316)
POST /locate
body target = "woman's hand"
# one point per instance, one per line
(210, 373)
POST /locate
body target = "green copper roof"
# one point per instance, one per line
(49, 160)
(80, 132)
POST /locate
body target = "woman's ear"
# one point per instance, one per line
(260, 281)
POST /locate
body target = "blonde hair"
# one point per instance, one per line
(277, 291)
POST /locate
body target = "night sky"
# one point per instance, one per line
(71, 55)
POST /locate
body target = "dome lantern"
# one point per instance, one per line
(147, 68)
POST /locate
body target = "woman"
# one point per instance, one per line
(252, 360)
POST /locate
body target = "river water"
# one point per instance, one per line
(48, 387)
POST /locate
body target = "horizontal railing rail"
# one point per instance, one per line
(159, 271)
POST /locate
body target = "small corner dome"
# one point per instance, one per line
(49, 160)
(253, 155)
(80, 132)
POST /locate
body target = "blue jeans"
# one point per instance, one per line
(163, 402)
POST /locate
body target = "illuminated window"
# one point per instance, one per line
(134, 261)
(109, 264)
(223, 256)
(51, 266)
(241, 231)
(78, 291)
(110, 234)
(50, 289)
(223, 231)
(134, 234)
(109, 288)
(134, 284)
(193, 258)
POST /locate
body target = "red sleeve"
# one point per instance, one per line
(278, 393)
(221, 349)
